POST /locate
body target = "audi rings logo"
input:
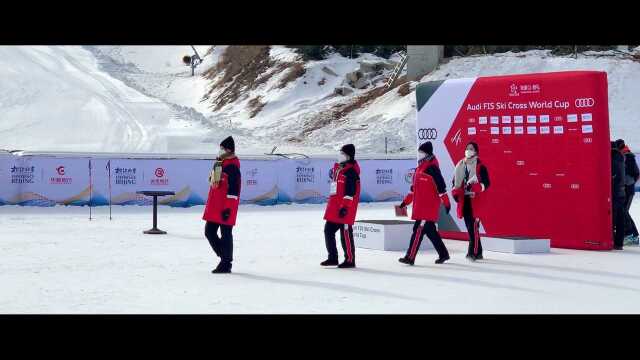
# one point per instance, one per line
(585, 102)
(427, 134)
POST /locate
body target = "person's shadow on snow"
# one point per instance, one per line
(429, 275)
(329, 286)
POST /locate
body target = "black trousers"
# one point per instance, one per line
(618, 221)
(420, 229)
(223, 247)
(346, 237)
(630, 225)
(473, 228)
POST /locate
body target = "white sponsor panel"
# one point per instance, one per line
(471, 131)
(531, 119)
(506, 119)
(439, 112)
(572, 118)
(260, 181)
(384, 180)
(482, 120)
(531, 130)
(587, 129)
(518, 119)
(518, 130)
(586, 117)
(55, 181)
(558, 129)
(544, 118)
(308, 180)
(506, 130)
(544, 130)
(495, 130)
(495, 120)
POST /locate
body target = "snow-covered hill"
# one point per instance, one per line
(143, 99)
(56, 98)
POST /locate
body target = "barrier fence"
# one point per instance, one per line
(76, 179)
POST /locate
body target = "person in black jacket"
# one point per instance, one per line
(632, 173)
(617, 193)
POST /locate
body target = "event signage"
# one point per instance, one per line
(545, 141)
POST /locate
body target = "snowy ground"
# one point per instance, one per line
(55, 261)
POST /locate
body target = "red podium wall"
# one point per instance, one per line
(545, 141)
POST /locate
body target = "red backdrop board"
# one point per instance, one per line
(545, 141)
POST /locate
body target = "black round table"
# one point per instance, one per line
(155, 195)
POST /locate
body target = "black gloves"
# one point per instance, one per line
(402, 204)
(225, 214)
(343, 212)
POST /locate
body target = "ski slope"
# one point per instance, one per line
(143, 99)
(73, 265)
(56, 98)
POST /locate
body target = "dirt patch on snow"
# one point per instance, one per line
(238, 70)
(340, 111)
(255, 106)
(295, 71)
(404, 89)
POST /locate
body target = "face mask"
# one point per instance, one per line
(222, 152)
(469, 154)
(421, 155)
(342, 157)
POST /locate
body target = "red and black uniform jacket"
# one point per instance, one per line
(427, 187)
(346, 182)
(226, 195)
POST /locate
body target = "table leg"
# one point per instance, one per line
(155, 229)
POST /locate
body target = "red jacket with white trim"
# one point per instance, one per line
(346, 182)
(226, 195)
(426, 189)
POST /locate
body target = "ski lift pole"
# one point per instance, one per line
(385, 144)
(90, 189)
(109, 169)
(195, 60)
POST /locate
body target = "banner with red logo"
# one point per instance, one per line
(46, 181)
(66, 181)
(544, 139)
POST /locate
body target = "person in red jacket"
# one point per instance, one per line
(342, 207)
(222, 204)
(428, 191)
(471, 179)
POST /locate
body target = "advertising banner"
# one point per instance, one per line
(544, 139)
(10, 178)
(385, 180)
(46, 181)
(305, 181)
(259, 181)
(35, 180)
